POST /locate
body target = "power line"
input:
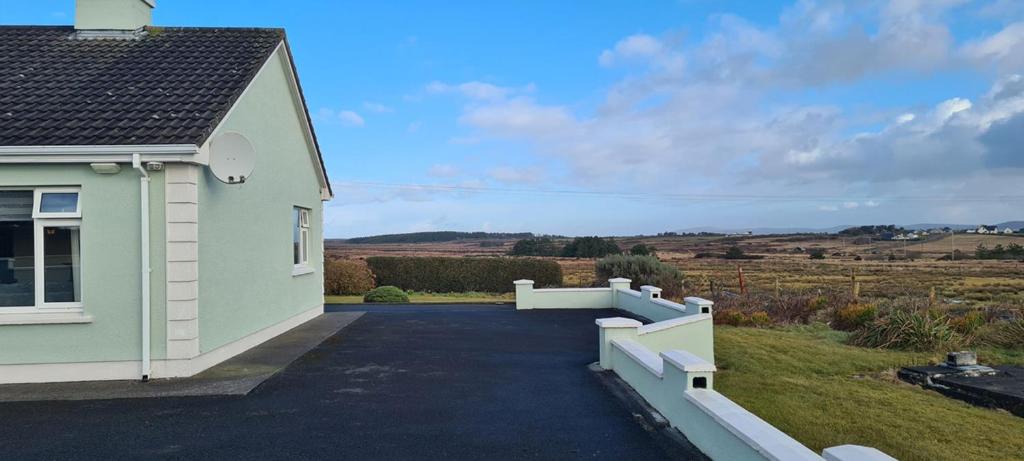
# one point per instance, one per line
(677, 196)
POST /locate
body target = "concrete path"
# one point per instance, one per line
(236, 376)
(438, 382)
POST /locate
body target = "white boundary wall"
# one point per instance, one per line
(670, 363)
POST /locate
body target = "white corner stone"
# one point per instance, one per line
(618, 322)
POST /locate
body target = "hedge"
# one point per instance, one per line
(455, 275)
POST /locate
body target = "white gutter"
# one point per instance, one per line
(144, 189)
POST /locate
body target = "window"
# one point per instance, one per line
(300, 236)
(40, 251)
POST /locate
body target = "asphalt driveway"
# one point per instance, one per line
(402, 382)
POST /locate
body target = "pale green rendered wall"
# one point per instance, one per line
(245, 231)
(110, 239)
(112, 14)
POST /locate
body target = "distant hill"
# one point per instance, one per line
(437, 237)
(835, 229)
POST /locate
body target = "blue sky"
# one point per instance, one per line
(606, 117)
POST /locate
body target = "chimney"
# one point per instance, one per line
(113, 15)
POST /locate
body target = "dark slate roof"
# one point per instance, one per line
(171, 86)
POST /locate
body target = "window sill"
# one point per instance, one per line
(302, 270)
(44, 318)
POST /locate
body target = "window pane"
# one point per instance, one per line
(296, 237)
(58, 202)
(63, 266)
(17, 262)
(15, 205)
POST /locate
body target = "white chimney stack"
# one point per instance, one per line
(113, 15)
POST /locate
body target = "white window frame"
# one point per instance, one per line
(301, 267)
(44, 310)
(37, 202)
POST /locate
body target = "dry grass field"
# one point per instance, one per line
(785, 266)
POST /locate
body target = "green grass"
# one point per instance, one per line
(451, 298)
(810, 385)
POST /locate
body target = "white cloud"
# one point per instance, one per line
(443, 171)
(642, 48)
(511, 175)
(1004, 49)
(377, 107)
(472, 90)
(342, 117)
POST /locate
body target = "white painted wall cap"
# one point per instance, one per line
(855, 452)
(650, 288)
(619, 280)
(523, 282)
(698, 301)
(687, 362)
(617, 322)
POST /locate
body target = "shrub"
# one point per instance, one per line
(456, 275)
(347, 277)
(642, 270)
(853, 317)
(734, 252)
(1003, 334)
(386, 294)
(909, 330)
(590, 247)
(540, 246)
(817, 253)
(760, 319)
(642, 249)
(969, 322)
(732, 317)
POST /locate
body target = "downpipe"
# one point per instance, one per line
(146, 269)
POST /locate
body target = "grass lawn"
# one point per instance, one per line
(450, 298)
(807, 383)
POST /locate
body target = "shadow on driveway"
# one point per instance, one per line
(402, 382)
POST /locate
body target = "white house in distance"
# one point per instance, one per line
(161, 195)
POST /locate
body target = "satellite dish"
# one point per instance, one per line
(232, 158)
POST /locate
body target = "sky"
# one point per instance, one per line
(638, 117)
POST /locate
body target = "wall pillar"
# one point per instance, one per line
(524, 294)
(612, 329)
(617, 284)
(695, 305)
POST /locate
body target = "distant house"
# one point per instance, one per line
(983, 229)
(1007, 231)
(125, 252)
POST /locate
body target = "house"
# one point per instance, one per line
(161, 196)
(1007, 231)
(983, 229)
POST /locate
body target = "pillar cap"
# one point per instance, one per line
(523, 282)
(619, 280)
(618, 322)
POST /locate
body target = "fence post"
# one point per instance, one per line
(524, 294)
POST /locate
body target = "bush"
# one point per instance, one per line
(642, 270)
(732, 317)
(817, 253)
(590, 247)
(853, 317)
(760, 319)
(1003, 334)
(347, 277)
(734, 252)
(457, 275)
(386, 294)
(541, 246)
(642, 249)
(909, 330)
